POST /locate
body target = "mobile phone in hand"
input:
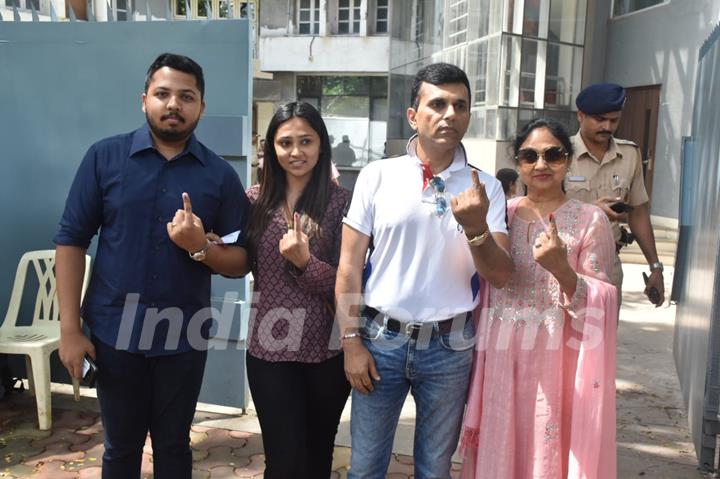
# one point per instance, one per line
(653, 294)
(621, 207)
(89, 372)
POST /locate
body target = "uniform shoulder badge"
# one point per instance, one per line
(621, 141)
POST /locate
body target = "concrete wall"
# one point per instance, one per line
(660, 45)
(352, 54)
(274, 17)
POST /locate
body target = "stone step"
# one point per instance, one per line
(636, 257)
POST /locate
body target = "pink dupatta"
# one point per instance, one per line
(592, 453)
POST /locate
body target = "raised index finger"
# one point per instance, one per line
(187, 206)
(552, 226)
(475, 178)
(296, 222)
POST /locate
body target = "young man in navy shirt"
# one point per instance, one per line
(151, 274)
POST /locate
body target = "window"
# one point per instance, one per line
(123, 10)
(566, 22)
(621, 7)
(457, 22)
(531, 20)
(381, 21)
(478, 70)
(349, 16)
(355, 112)
(528, 69)
(309, 17)
(419, 27)
(199, 8)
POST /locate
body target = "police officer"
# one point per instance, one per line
(608, 172)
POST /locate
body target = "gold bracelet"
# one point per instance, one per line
(479, 239)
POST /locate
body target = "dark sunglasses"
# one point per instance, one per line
(554, 155)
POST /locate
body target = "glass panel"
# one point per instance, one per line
(343, 15)
(382, 3)
(202, 8)
(510, 71)
(316, 28)
(356, 27)
(223, 9)
(337, 86)
(564, 21)
(563, 71)
(627, 6)
(304, 28)
(506, 123)
(317, 15)
(381, 26)
(343, 28)
(478, 62)
(304, 3)
(524, 117)
(344, 3)
(179, 7)
(528, 69)
(531, 23)
(308, 86)
(382, 14)
(483, 18)
(378, 86)
(304, 15)
(379, 111)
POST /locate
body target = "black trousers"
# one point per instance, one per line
(299, 407)
(138, 394)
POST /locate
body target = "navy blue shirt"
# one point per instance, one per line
(129, 191)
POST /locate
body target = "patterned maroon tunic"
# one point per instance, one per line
(290, 320)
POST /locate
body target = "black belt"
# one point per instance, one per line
(412, 329)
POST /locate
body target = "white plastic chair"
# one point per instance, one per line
(40, 338)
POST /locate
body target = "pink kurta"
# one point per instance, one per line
(542, 397)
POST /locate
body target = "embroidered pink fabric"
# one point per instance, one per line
(542, 395)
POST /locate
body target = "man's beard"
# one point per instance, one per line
(171, 135)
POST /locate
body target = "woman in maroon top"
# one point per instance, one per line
(294, 365)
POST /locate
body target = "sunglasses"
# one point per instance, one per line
(438, 186)
(554, 155)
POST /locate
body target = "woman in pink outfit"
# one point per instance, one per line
(542, 397)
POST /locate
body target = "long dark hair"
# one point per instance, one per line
(315, 197)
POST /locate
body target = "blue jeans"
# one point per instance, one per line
(138, 394)
(437, 372)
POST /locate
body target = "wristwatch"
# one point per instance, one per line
(657, 265)
(200, 255)
(479, 239)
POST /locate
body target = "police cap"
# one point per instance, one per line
(601, 98)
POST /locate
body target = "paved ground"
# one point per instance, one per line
(653, 438)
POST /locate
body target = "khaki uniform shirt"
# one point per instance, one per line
(618, 174)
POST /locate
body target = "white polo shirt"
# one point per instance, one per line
(421, 268)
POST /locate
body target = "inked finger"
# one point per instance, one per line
(296, 223)
(475, 178)
(552, 227)
(187, 205)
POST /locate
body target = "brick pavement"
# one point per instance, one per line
(74, 447)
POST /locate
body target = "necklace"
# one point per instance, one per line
(287, 213)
